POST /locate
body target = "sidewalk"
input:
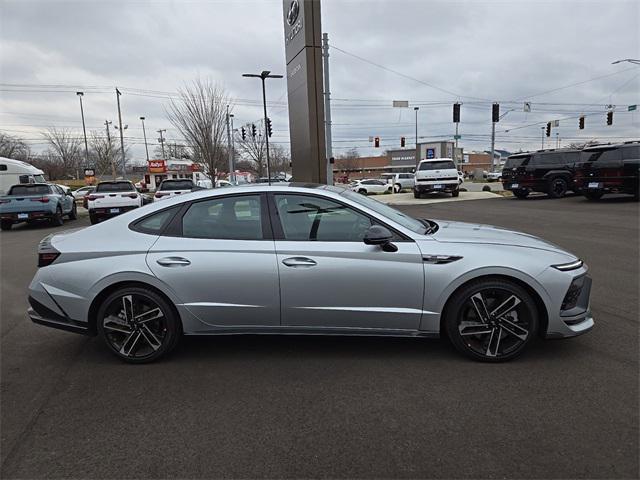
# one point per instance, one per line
(407, 198)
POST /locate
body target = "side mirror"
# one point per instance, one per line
(379, 235)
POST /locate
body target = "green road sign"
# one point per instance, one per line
(457, 137)
(631, 108)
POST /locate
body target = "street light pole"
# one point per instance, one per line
(417, 153)
(86, 147)
(144, 132)
(542, 128)
(113, 165)
(124, 171)
(229, 147)
(264, 75)
(162, 142)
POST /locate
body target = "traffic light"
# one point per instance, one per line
(253, 130)
(244, 133)
(376, 142)
(456, 113)
(609, 118)
(495, 113)
(581, 123)
(269, 128)
(548, 129)
(402, 142)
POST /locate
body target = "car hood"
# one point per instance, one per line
(460, 232)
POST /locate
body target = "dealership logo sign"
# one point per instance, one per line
(292, 14)
(293, 21)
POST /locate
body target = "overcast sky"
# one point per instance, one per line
(475, 52)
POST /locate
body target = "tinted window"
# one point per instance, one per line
(516, 161)
(115, 187)
(177, 185)
(629, 153)
(24, 179)
(604, 155)
(234, 218)
(30, 190)
(318, 219)
(155, 223)
(3, 167)
(437, 165)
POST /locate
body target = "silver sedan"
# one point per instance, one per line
(304, 260)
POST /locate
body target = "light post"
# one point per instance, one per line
(542, 128)
(630, 60)
(417, 154)
(493, 139)
(161, 140)
(144, 133)
(84, 130)
(264, 75)
(124, 172)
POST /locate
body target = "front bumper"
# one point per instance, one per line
(436, 187)
(575, 321)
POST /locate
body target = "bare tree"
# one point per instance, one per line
(280, 159)
(200, 117)
(50, 163)
(349, 160)
(581, 145)
(254, 149)
(105, 155)
(13, 147)
(68, 148)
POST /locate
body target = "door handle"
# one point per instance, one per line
(173, 262)
(299, 262)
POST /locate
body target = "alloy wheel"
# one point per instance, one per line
(134, 326)
(494, 323)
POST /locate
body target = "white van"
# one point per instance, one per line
(13, 172)
(436, 175)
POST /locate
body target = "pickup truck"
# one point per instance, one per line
(111, 199)
(36, 201)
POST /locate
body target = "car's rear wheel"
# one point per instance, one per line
(73, 214)
(57, 219)
(138, 325)
(557, 187)
(593, 194)
(491, 320)
(6, 225)
(521, 193)
(455, 193)
(93, 218)
(362, 191)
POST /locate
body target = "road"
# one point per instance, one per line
(337, 407)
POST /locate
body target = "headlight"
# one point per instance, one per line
(565, 267)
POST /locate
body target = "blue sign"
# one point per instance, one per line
(431, 153)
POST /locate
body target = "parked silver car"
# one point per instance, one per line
(302, 260)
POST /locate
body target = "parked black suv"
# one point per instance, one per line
(548, 171)
(609, 169)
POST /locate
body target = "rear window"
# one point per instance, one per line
(443, 165)
(30, 190)
(115, 187)
(177, 185)
(603, 155)
(629, 153)
(516, 161)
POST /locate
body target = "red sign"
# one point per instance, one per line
(195, 167)
(157, 166)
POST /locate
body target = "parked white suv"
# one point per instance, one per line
(175, 186)
(111, 199)
(370, 185)
(436, 175)
(400, 181)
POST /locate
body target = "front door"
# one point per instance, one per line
(221, 262)
(330, 279)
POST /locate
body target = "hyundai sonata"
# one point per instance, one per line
(301, 259)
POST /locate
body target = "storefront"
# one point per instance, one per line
(159, 170)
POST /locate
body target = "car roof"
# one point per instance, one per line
(603, 146)
(435, 159)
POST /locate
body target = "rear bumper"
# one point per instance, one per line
(37, 215)
(109, 211)
(42, 315)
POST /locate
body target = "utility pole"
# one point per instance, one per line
(144, 132)
(162, 142)
(113, 164)
(417, 153)
(493, 145)
(557, 139)
(86, 148)
(121, 133)
(542, 129)
(327, 106)
(229, 148)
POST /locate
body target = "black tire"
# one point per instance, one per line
(73, 214)
(57, 220)
(467, 306)
(416, 194)
(558, 187)
(593, 195)
(455, 193)
(362, 191)
(521, 193)
(93, 219)
(397, 188)
(136, 338)
(6, 225)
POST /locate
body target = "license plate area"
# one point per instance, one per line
(437, 187)
(593, 185)
(515, 185)
(23, 216)
(114, 210)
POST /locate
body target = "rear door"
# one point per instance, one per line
(219, 259)
(330, 279)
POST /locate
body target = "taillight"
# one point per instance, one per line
(94, 197)
(41, 200)
(130, 195)
(47, 258)
(159, 195)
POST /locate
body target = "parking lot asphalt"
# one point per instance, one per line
(302, 407)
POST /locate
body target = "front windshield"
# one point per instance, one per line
(386, 211)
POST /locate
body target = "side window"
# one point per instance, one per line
(154, 224)
(224, 218)
(3, 167)
(609, 156)
(550, 159)
(23, 178)
(309, 218)
(629, 153)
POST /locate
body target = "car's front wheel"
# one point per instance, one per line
(57, 219)
(138, 325)
(6, 225)
(73, 214)
(455, 193)
(491, 320)
(558, 187)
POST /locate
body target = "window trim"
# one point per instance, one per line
(136, 228)
(278, 231)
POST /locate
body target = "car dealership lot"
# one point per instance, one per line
(337, 407)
